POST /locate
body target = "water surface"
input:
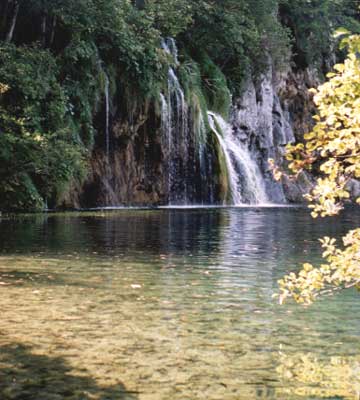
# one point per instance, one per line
(170, 304)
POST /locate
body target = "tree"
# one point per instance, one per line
(333, 150)
(10, 33)
(170, 16)
(312, 23)
(39, 153)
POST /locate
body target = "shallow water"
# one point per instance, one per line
(170, 304)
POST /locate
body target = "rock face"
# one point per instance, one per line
(264, 124)
(133, 166)
(132, 172)
(275, 111)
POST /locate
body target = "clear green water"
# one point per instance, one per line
(170, 304)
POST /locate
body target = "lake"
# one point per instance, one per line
(171, 304)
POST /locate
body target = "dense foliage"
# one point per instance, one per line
(332, 148)
(312, 23)
(55, 56)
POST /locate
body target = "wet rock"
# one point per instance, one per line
(273, 111)
(354, 188)
(295, 190)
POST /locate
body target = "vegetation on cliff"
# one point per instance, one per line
(55, 57)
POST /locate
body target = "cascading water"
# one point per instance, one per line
(194, 157)
(170, 47)
(106, 88)
(189, 156)
(166, 132)
(175, 127)
(245, 179)
(107, 115)
(205, 164)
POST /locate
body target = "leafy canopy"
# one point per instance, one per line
(312, 23)
(39, 155)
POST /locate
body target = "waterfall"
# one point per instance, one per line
(107, 112)
(203, 155)
(103, 76)
(189, 160)
(166, 132)
(236, 195)
(245, 179)
(170, 47)
(175, 130)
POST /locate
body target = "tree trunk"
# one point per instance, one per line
(10, 34)
(53, 27)
(43, 30)
(4, 13)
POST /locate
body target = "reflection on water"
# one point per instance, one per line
(335, 377)
(170, 304)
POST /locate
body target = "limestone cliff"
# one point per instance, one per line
(273, 110)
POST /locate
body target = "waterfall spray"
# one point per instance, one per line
(175, 117)
(107, 112)
(245, 179)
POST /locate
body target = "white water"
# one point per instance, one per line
(245, 179)
(166, 130)
(107, 111)
(174, 119)
(170, 47)
(201, 137)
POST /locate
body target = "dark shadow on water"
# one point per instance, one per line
(25, 376)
